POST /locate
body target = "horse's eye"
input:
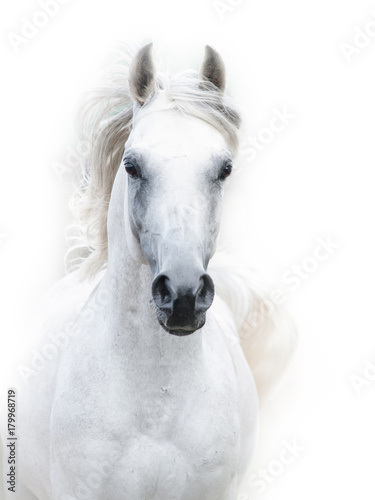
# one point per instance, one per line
(226, 171)
(131, 170)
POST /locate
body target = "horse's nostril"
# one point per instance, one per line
(162, 293)
(205, 294)
(182, 306)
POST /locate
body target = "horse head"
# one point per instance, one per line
(177, 159)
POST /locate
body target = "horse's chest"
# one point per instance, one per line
(200, 421)
(158, 439)
(171, 468)
(165, 446)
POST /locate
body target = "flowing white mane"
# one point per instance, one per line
(106, 124)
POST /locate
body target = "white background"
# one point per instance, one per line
(315, 179)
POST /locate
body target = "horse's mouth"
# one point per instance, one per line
(180, 332)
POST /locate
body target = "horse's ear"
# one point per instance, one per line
(142, 75)
(213, 68)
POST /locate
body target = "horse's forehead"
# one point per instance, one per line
(172, 133)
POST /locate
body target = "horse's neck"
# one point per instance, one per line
(132, 324)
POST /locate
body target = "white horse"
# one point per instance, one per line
(134, 384)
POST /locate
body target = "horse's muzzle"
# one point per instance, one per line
(181, 308)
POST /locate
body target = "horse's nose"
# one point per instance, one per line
(182, 306)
